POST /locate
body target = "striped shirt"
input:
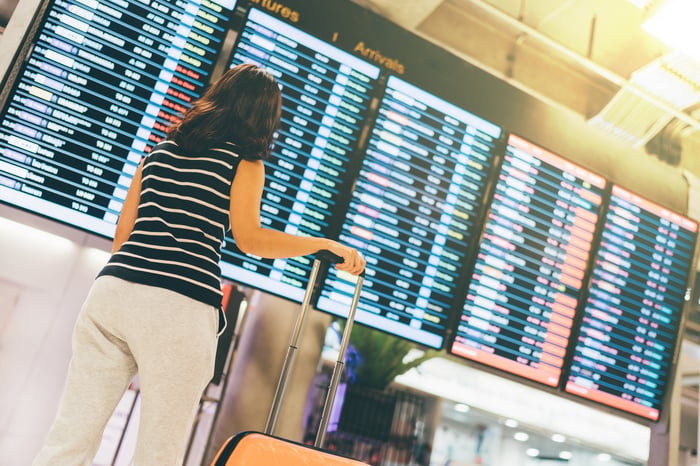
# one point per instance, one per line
(183, 214)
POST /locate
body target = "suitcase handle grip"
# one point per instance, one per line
(324, 255)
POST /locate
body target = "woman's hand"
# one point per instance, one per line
(353, 262)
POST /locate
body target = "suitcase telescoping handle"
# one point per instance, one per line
(321, 258)
(339, 364)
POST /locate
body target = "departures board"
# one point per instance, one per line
(630, 323)
(326, 94)
(521, 302)
(414, 211)
(97, 91)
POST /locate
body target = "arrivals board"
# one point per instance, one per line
(413, 212)
(531, 263)
(101, 84)
(326, 95)
(627, 339)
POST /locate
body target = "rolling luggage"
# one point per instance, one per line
(264, 448)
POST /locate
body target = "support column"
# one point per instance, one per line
(664, 444)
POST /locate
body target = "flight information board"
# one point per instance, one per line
(100, 86)
(529, 272)
(631, 319)
(326, 95)
(413, 212)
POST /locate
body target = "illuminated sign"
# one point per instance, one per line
(413, 212)
(529, 274)
(631, 319)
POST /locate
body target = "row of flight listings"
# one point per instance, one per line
(477, 241)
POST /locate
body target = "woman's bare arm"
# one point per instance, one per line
(127, 217)
(251, 237)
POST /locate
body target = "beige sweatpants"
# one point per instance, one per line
(125, 328)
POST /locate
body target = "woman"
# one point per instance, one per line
(153, 309)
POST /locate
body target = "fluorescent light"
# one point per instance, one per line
(641, 3)
(675, 23)
(461, 408)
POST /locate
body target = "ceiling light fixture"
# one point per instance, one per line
(672, 79)
(461, 408)
(566, 455)
(559, 438)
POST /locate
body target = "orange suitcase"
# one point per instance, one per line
(264, 449)
(258, 449)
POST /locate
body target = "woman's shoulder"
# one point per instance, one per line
(227, 147)
(166, 144)
(227, 152)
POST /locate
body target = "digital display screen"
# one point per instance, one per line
(97, 91)
(326, 94)
(529, 272)
(413, 212)
(627, 339)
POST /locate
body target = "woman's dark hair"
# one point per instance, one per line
(243, 107)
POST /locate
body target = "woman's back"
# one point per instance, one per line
(183, 215)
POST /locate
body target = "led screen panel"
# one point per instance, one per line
(326, 94)
(530, 267)
(413, 212)
(627, 339)
(97, 91)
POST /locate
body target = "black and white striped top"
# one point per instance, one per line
(183, 214)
